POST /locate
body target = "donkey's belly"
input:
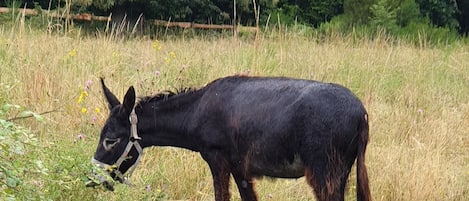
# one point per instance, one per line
(280, 169)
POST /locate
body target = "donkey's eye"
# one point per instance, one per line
(109, 143)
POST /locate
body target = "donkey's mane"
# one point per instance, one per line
(165, 95)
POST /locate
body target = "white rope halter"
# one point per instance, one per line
(133, 142)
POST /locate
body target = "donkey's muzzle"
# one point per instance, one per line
(101, 175)
(96, 180)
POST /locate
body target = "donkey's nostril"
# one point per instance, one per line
(108, 143)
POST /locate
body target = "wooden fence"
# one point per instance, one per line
(90, 17)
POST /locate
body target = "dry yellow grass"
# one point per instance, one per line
(417, 98)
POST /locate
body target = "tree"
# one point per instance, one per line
(315, 12)
(442, 13)
(383, 15)
(463, 16)
(392, 14)
(312, 12)
(358, 11)
(407, 12)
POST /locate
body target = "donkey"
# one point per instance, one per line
(247, 127)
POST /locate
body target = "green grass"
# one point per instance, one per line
(417, 98)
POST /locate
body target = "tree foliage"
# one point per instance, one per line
(358, 11)
(463, 16)
(383, 15)
(314, 12)
(407, 12)
(440, 12)
(391, 14)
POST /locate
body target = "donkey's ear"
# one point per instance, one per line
(110, 97)
(129, 102)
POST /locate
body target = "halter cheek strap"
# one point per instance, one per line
(133, 142)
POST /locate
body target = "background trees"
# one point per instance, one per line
(463, 16)
(390, 14)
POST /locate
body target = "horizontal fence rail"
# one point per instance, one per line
(90, 17)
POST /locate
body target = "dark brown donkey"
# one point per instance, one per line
(247, 127)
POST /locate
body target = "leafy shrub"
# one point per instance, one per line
(408, 11)
(16, 142)
(337, 25)
(424, 33)
(383, 16)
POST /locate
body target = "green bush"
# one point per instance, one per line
(425, 33)
(16, 142)
(383, 16)
(337, 25)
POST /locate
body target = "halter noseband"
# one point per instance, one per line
(133, 142)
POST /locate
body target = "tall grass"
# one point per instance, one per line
(417, 98)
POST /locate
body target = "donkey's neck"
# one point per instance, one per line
(165, 122)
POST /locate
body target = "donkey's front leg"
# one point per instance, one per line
(221, 175)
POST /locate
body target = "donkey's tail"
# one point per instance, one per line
(363, 189)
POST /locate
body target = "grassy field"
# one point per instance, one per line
(417, 98)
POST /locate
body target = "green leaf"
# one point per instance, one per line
(26, 113)
(38, 117)
(40, 167)
(17, 150)
(6, 107)
(12, 182)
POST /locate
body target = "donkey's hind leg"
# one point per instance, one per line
(328, 185)
(245, 185)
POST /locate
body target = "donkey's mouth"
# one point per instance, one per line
(100, 177)
(109, 185)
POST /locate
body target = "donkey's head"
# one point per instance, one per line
(118, 149)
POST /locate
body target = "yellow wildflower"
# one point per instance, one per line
(156, 44)
(97, 110)
(72, 53)
(83, 110)
(80, 98)
(82, 95)
(172, 54)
